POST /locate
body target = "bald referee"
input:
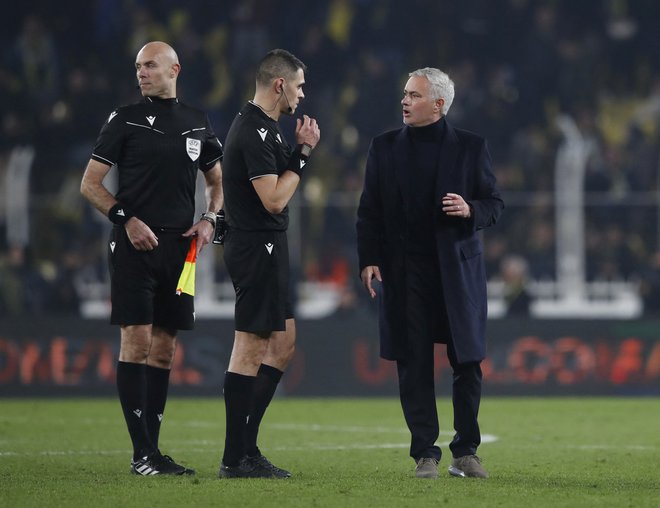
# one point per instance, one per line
(261, 172)
(158, 145)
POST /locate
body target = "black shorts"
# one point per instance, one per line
(143, 283)
(258, 264)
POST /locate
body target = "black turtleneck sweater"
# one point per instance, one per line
(426, 143)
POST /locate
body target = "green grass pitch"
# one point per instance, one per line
(555, 452)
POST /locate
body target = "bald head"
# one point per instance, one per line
(157, 66)
(160, 48)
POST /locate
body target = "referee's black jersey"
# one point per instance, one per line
(158, 146)
(254, 147)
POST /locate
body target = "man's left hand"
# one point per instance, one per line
(204, 232)
(455, 206)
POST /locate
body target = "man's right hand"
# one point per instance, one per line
(140, 235)
(367, 275)
(307, 131)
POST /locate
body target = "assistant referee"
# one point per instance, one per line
(261, 174)
(158, 146)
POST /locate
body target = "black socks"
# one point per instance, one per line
(264, 388)
(246, 401)
(158, 381)
(142, 393)
(238, 391)
(132, 389)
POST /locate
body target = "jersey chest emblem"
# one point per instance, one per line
(193, 148)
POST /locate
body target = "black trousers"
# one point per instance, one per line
(426, 321)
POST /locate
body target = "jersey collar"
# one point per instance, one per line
(158, 100)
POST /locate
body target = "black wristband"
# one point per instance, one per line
(298, 159)
(119, 214)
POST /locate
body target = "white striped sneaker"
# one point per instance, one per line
(156, 463)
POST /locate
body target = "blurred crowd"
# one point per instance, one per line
(517, 65)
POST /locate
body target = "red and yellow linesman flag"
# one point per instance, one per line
(186, 282)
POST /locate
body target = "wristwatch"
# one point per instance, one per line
(209, 217)
(306, 149)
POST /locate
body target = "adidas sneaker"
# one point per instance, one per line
(157, 463)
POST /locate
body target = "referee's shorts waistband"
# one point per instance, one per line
(256, 230)
(160, 229)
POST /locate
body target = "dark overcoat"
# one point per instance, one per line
(463, 167)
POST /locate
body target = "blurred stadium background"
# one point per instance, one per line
(567, 94)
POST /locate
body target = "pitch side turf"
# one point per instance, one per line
(555, 452)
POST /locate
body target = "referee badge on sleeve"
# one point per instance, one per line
(194, 148)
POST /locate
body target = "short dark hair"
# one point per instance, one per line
(278, 63)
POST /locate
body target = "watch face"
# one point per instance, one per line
(306, 150)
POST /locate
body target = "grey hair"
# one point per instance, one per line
(442, 87)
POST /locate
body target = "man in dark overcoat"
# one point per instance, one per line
(429, 188)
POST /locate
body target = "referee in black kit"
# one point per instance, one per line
(158, 146)
(260, 175)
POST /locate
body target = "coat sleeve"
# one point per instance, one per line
(487, 204)
(370, 226)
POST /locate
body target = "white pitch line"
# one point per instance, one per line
(207, 449)
(214, 446)
(314, 428)
(611, 447)
(56, 453)
(206, 444)
(485, 438)
(338, 428)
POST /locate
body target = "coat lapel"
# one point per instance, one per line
(446, 169)
(401, 158)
